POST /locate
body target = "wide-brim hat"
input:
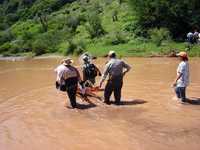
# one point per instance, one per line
(67, 61)
(182, 54)
(111, 53)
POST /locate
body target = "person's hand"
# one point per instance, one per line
(174, 84)
(124, 73)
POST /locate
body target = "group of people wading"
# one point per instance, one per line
(69, 79)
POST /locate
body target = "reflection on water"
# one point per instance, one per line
(33, 113)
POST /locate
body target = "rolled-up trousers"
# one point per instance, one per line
(71, 88)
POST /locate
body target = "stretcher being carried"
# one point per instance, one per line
(87, 89)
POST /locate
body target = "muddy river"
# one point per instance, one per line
(34, 116)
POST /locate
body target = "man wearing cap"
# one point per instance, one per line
(182, 79)
(114, 69)
(70, 76)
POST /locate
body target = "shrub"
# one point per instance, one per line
(73, 22)
(6, 36)
(71, 47)
(97, 8)
(75, 47)
(39, 47)
(95, 28)
(5, 47)
(117, 38)
(159, 35)
(80, 48)
(11, 18)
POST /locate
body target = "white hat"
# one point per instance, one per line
(111, 53)
(67, 61)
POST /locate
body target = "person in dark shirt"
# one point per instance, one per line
(115, 69)
(90, 70)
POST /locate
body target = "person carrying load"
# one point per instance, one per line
(90, 70)
(115, 70)
(68, 78)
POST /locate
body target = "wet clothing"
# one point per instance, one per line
(180, 93)
(183, 68)
(68, 76)
(71, 88)
(59, 70)
(113, 85)
(90, 71)
(114, 70)
(183, 81)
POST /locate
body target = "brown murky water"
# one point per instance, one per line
(33, 115)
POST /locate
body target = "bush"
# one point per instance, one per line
(39, 47)
(73, 22)
(71, 47)
(159, 35)
(47, 42)
(6, 36)
(95, 28)
(11, 18)
(80, 48)
(97, 8)
(75, 47)
(5, 47)
(116, 38)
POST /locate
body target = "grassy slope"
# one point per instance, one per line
(134, 47)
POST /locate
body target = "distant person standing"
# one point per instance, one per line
(182, 79)
(190, 38)
(68, 76)
(199, 38)
(90, 70)
(196, 36)
(114, 69)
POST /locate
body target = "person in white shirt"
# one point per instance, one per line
(182, 79)
(67, 79)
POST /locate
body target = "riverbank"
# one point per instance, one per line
(137, 49)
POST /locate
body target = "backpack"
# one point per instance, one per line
(90, 71)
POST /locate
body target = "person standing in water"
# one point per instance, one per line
(182, 79)
(114, 69)
(90, 70)
(69, 75)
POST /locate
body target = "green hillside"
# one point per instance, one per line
(35, 27)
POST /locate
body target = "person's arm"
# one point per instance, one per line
(78, 75)
(127, 68)
(60, 76)
(179, 74)
(105, 74)
(177, 78)
(98, 71)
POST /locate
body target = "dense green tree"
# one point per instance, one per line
(178, 16)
